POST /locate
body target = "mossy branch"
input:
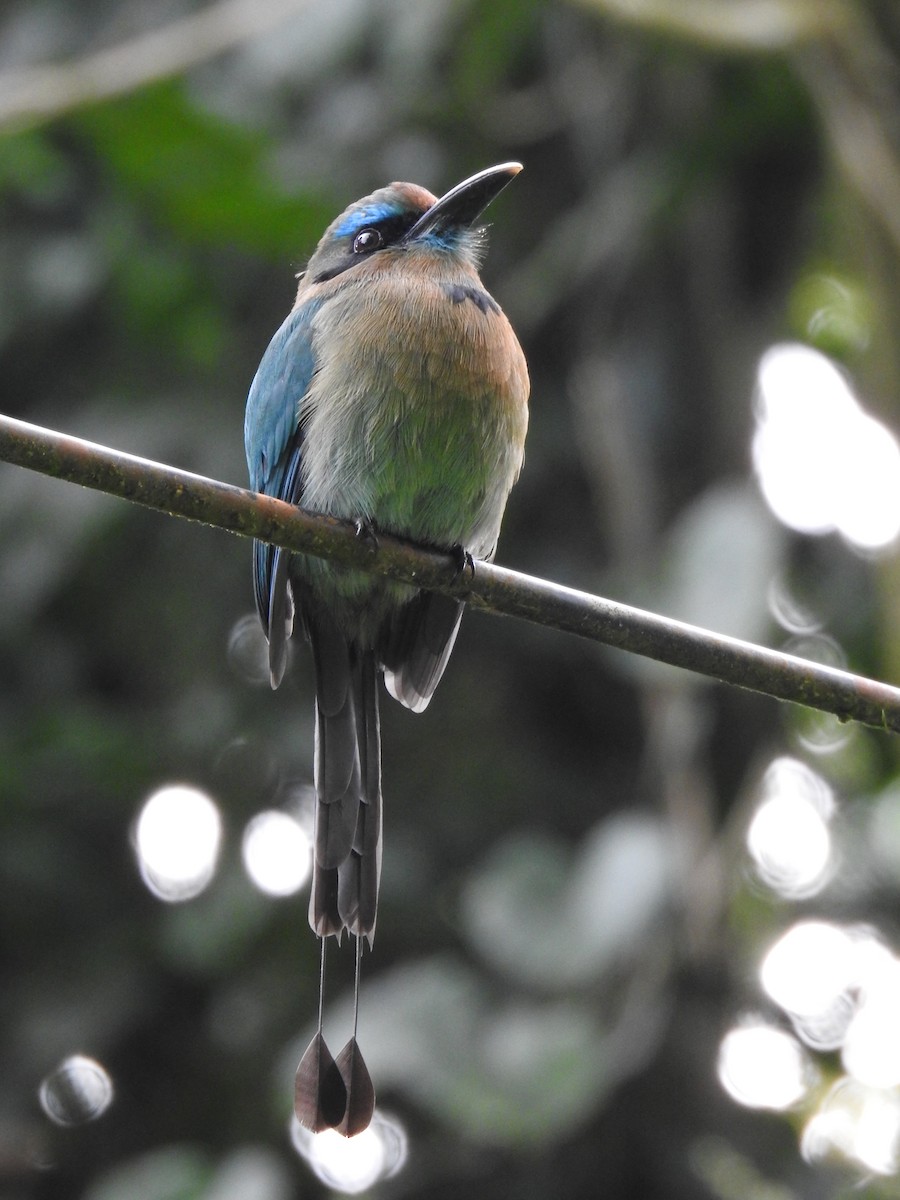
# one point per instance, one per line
(491, 588)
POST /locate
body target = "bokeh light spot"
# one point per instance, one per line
(857, 1123)
(871, 1051)
(788, 838)
(248, 654)
(177, 838)
(77, 1091)
(835, 312)
(822, 734)
(809, 968)
(790, 612)
(353, 1165)
(823, 464)
(277, 853)
(763, 1067)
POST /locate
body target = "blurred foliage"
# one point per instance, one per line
(569, 923)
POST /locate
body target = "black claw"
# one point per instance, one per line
(366, 531)
(464, 562)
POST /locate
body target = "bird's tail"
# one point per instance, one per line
(415, 646)
(347, 860)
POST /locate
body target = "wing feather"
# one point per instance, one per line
(273, 441)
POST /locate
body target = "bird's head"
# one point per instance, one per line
(404, 216)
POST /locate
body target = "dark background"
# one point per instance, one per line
(570, 922)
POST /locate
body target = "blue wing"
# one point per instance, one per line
(273, 441)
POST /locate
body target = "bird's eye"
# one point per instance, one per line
(366, 241)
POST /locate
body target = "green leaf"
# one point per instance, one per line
(205, 178)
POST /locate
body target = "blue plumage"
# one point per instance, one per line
(271, 419)
(273, 442)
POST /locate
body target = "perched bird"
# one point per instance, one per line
(395, 395)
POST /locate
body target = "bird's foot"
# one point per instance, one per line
(366, 531)
(464, 561)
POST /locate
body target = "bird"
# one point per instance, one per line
(394, 396)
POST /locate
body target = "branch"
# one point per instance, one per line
(491, 589)
(734, 25)
(858, 122)
(31, 95)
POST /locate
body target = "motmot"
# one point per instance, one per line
(395, 396)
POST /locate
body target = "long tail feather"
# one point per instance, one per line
(347, 864)
(320, 1090)
(360, 877)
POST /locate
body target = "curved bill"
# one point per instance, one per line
(464, 204)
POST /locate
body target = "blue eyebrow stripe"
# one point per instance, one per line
(370, 215)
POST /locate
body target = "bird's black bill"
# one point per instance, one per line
(465, 203)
